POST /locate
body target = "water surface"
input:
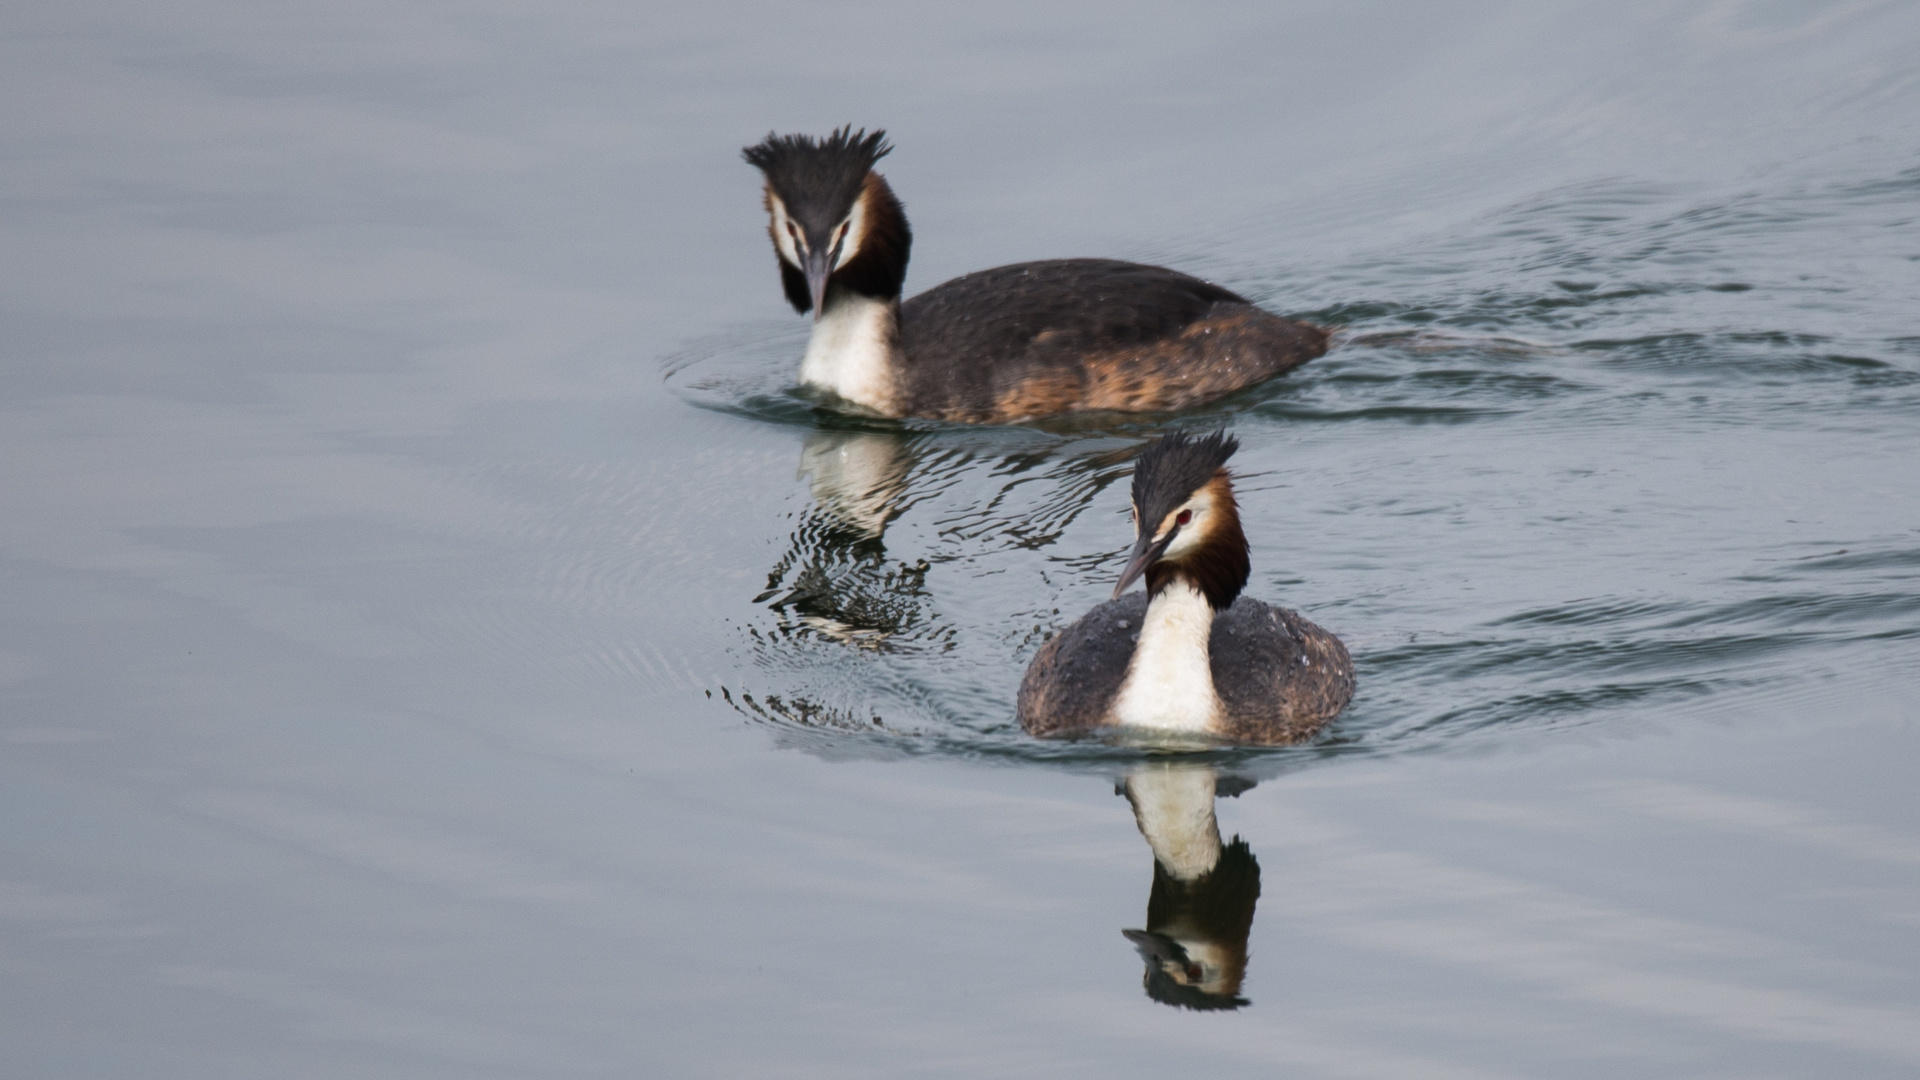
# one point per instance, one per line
(440, 643)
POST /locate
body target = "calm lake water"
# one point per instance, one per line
(439, 643)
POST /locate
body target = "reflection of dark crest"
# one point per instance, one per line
(1218, 909)
(1200, 910)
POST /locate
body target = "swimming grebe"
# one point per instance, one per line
(1012, 343)
(1191, 656)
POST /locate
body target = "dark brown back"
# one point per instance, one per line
(1280, 677)
(1039, 338)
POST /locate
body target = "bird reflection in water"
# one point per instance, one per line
(1201, 908)
(835, 579)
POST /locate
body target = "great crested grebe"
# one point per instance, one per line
(1012, 343)
(1191, 656)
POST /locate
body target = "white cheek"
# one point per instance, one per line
(783, 229)
(1194, 530)
(1187, 540)
(856, 232)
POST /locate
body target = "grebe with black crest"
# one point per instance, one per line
(1012, 343)
(1191, 656)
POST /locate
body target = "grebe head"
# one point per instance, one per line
(832, 218)
(1185, 520)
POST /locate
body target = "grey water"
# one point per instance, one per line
(439, 642)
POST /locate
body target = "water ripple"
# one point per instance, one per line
(1590, 325)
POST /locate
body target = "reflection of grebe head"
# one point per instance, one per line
(1195, 944)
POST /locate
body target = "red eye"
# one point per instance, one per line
(1185, 516)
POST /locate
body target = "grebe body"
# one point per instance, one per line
(1011, 343)
(1190, 656)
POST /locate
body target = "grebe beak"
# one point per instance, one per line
(1156, 948)
(1146, 552)
(818, 266)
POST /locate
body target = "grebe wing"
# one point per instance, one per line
(1037, 339)
(1071, 683)
(1280, 677)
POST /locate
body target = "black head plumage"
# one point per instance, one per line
(818, 179)
(1217, 908)
(1173, 467)
(1167, 474)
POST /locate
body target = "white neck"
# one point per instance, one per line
(1174, 808)
(853, 349)
(1169, 683)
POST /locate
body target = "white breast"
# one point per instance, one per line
(1169, 683)
(851, 352)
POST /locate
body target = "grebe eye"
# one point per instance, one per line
(1185, 516)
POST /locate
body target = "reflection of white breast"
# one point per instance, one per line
(851, 351)
(1174, 809)
(1169, 682)
(857, 477)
